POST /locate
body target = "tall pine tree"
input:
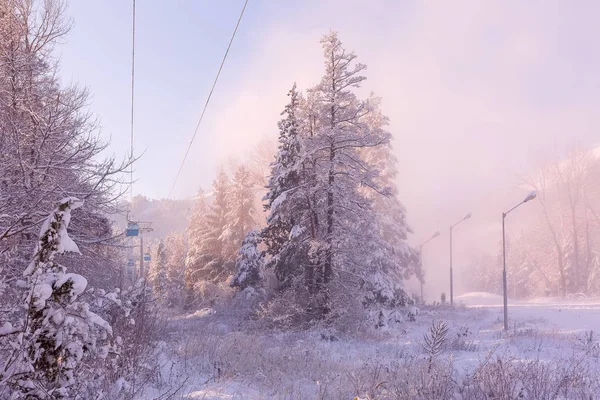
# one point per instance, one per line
(349, 240)
(241, 213)
(196, 232)
(335, 226)
(210, 256)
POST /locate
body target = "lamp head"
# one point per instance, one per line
(530, 196)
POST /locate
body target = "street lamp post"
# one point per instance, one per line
(451, 281)
(435, 234)
(530, 196)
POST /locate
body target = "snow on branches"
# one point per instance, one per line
(249, 262)
(58, 332)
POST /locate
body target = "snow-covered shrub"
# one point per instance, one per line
(244, 303)
(139, 326)
(413, 311)
(508, 378)
(210, 294)
(59, 343)
(71, 341)
(382, 292)
(283, 310)
(384, 318)
(249, 263)
(460, 341)
(408, 378)
(348, 311)
(434, 341)
(588, 343)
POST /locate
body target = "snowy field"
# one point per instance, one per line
(210, 355)
(565, 315)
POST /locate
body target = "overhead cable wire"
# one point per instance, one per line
(132, 103)
(207, 100)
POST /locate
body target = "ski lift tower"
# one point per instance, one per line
(137, 228)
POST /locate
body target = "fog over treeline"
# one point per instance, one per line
(472, 107)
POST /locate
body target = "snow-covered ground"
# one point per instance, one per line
(564, 315)
(214, 356)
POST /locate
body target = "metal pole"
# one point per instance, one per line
(514, 285)
(421, 259)
(504, 274)
(451, 283)
(141, 255)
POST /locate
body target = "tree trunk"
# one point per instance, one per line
(576, 258)
(563, 281)
(328, 270)
(328, 264)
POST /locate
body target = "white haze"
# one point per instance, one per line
(477, 93)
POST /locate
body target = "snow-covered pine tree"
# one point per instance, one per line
(309, 112)
(176, 250)
(241, 214)
(158, 273)
(60, 332)
(349, 242)
(249, 263)
(398, 261)
(289, 224)
(197, 254)
(209, 257)
(211, 261)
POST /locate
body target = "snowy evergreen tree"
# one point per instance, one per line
(249, 262)
(349, 242)
(197, 254)
(211, 257)
(285, 235)
(335, 221)
(241, 214)
(176, 250)
(158, 272)
(398, 261)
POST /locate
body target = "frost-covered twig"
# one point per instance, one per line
(434, 341)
